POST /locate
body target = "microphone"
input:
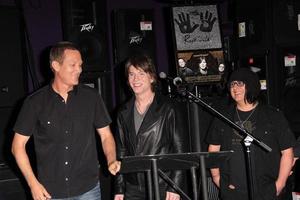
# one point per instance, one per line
(163, 75)
(177, 81)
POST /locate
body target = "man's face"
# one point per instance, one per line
(202, 64)
(221, 68)
(238, 91)
(139, 80)
(69, 70)
(181, 62)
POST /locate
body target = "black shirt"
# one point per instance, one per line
(270, 127)
(64, 137)
(238, 176)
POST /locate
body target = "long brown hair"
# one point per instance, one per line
(144, 62)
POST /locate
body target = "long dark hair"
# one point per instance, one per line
(145, 63)
(251, 81)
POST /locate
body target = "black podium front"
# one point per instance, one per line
(154, 165)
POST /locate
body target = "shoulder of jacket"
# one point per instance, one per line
(125, 105)
(167, 102)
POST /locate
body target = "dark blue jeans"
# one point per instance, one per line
(93, 194)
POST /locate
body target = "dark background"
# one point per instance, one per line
(30, 27)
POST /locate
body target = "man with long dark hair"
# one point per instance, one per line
(270, 169)
(148, 125)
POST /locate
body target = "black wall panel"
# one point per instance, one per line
(12, 84)
(130, 37)
(12, 91)
(11, 187)
(11, 69)
(285, 14)
(84, 23)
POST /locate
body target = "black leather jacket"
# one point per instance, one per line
(160, 133)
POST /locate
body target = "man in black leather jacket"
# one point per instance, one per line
(148, 125)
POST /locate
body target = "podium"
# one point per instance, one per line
(154, 165)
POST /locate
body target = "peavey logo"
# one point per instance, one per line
(135, 39)
(87, 27)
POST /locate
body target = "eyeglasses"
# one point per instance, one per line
(237, 83)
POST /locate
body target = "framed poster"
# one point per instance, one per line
(202, 66)
(196, 27)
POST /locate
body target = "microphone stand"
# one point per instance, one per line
(169, 89)
(249, 138)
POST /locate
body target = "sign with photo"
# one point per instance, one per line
(196, 27)
(202, 66)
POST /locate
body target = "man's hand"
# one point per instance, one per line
(279, 187)
(172, 196)
(286, 164)
(38, 192)
(119, 197)
(184, 23)
(114, 167)
(215, 172)
(207, 22)
(109, 149)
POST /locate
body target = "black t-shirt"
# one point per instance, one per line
(272, 129)
(238, 165)
(64, 137)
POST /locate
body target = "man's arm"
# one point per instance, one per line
(109, 149)
(215, 172)
(286, 164)
(119, 197)
(19, 151)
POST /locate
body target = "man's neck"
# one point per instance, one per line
(245, 106)
(62, 89)
(142, 102)
(144, 99)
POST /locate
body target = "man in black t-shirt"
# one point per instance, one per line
(62, 118)
(270, 170)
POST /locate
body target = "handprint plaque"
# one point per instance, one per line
(196, 27)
